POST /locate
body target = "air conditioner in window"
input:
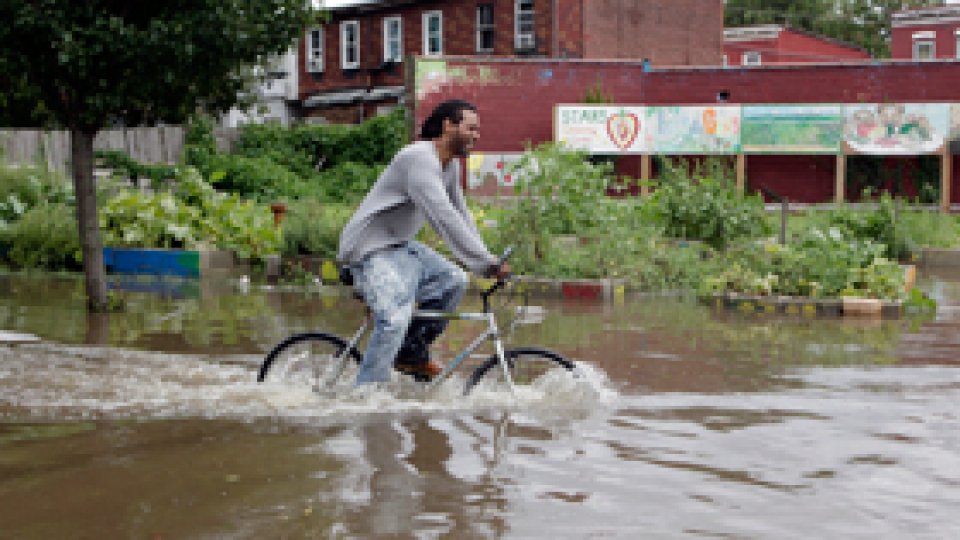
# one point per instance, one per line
(314, 66)
(526, 41)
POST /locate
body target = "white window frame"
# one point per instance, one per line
(387, 39)
(751, 58)
(485, 27)
(427, 15)
(921, 43)
(343, 44)
(524, 40)
(313, 53)
(956, 35)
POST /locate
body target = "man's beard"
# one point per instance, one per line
(461, 147)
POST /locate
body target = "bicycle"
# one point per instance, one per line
(319, 359)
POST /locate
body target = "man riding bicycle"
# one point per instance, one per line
(396, 274)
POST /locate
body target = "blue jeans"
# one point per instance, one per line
(394, 282)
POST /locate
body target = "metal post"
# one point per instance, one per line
(784, 208)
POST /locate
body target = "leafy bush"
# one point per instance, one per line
(704, 205)
(192, 217)
(121, 163)
(819, 264)
(271, 162)
(312, 228)
(22, 188)
(256, 177)
(307, 148)
(45, 237)
(879, 225)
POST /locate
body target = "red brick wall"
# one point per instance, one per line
(668, 32)
(901, 45)
(510, 116)
(793, 48)
(459, 39)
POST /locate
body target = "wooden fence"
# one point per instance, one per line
(146, 144)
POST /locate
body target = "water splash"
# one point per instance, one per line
(52, 381)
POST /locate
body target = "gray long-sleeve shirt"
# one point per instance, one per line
(415, 189)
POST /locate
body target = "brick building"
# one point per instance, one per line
(353, 66)
(775, 44)
(509, 120)
(926, 34)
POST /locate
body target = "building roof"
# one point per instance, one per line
(772, 31)
(362, 6)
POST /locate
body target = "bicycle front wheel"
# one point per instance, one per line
(526, 365)
(312, 360)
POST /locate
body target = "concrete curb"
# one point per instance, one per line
(808, 307)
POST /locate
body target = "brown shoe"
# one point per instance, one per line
(428, 370)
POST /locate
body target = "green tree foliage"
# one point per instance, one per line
(865, 23)
(85, 65)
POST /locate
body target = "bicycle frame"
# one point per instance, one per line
(492, 333)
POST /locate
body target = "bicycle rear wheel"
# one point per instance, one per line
(312, 360)
(526, 365)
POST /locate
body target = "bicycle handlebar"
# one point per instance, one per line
(500, 281)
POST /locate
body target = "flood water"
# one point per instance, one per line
(686, 423)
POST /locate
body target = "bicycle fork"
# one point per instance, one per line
(340, 362)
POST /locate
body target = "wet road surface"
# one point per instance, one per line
(688, 423)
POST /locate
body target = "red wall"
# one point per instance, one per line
(901, 40)
(518, 106)
(793, 48)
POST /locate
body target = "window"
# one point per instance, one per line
(957, 33)
(393, 39)
(526, 37)
(485, 28)
(924, 47)
(751, 58)
(350, 44)
(432, 33)
(314, 52)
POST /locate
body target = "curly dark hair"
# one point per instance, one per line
(452, 110)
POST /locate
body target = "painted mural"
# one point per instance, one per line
(600, 129)
(432, 76)
(876, 129)
(491, 169)
(897, 128)
(792, 129)
(693, 129)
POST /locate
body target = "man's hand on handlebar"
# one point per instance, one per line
(500, 271)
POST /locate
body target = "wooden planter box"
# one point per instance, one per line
(166, 262)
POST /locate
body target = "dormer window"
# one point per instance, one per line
(924, 45)
(751, 58)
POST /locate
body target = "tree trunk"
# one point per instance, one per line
(81, 147)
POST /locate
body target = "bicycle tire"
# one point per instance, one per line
(303, 359)
(526, 365)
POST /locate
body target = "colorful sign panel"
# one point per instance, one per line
(491, 169)
(897, 128)
(792, 129)
(600, 129)
(694, 129)
(877, 129)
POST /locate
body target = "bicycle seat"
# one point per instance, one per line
(346, 278)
